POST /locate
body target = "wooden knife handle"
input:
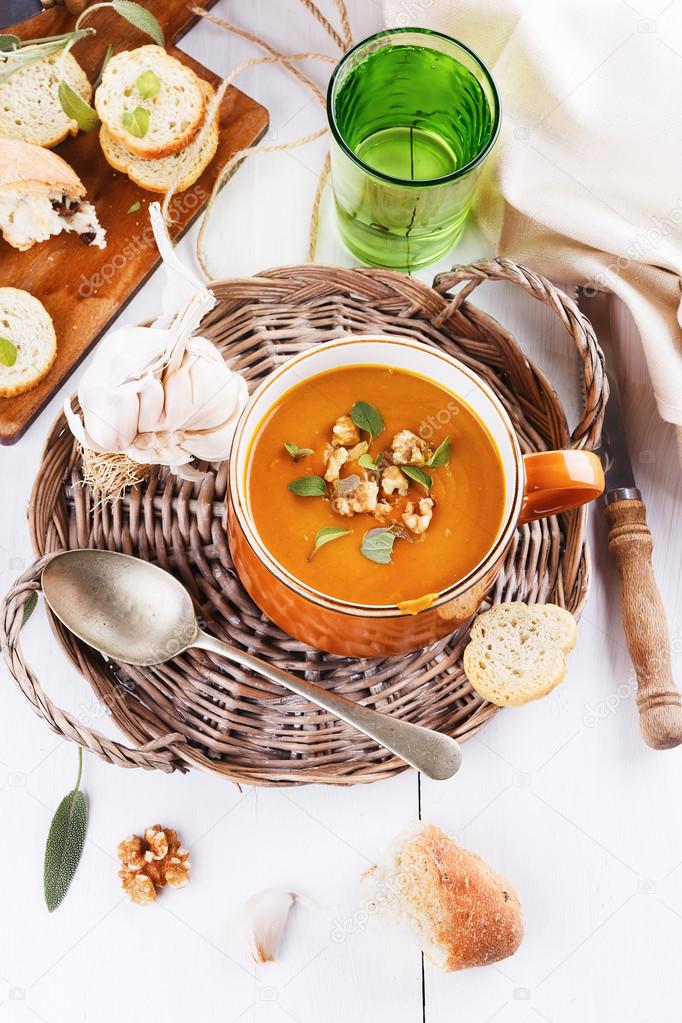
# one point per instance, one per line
(644, 622)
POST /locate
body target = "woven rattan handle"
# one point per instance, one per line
(646, 630)
(156, 755)
(588, 431)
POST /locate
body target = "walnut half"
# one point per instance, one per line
(149, 864)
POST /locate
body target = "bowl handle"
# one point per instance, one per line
(559, 480)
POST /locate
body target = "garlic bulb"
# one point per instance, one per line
(262, 921)
(160, 395)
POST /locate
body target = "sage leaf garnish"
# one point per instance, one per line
(14, 57)
(107, 57)
(136, 121)
(418, 475)
(65, 842)
(441, 455)
(75, 107)
(308, 486)
(377, 545)
(148, 85)
(297, 453)
(8, 352)
(367, 462)
(9, 42)
(29, 608)
(326, 535)
(135, 207)
(367, 418)
(140, 18)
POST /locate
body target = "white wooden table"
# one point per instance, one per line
(561, 796)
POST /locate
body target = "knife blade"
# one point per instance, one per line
(630, 544)
(615, 455)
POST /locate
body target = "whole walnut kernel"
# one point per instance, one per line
(149, 864)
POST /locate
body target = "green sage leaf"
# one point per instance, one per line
(75, 107)
(140, 18)
(297, 453)
(148, 84)
(9, 42)
(367, 462)
(377, 545)
(107, 57)
(136, 121)
(8, 352)
(308, 486)
(367, 418)
(65, 842)
(134, 208)
(441, 455)
(326, 535)
(29, 608)
(418, 475)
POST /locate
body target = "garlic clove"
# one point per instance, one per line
(262, 921)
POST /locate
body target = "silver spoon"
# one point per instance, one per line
(137, 613)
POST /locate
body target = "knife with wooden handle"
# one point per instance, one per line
(630, 545)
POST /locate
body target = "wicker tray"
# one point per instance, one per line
(199, 711)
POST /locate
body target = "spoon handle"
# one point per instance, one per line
(437, 755)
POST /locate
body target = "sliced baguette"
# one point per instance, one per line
(25, 323)
(184, 167)
(176, 113)
(517, 652)
(29, 100)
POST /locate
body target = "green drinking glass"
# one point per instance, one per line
(413, 114)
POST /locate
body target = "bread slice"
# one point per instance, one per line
(517, 652)
(40, 196)
(158, 175)
(176, 113)
(29, 100)
(461, 912)
(26, 324)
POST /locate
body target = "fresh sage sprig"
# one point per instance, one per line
(418, 475)
(65, 842)
(366, 417)
(325, 536)
(17, 53)
(367, 462)
(75, 107)
(308, 486)
(297, 453)
(441, 455)
(8, 352)
(377, 545)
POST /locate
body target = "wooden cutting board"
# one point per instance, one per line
(84, 288)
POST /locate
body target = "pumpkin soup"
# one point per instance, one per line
(374, 485)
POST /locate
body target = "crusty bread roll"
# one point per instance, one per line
(27, 326)
(40, 196)
(29, 100)
(517, 652)
(461, 912)
(176, 112)
(158, 175)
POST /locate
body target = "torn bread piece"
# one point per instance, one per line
(461, 912)
(41, 196)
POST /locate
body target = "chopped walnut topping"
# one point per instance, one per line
(418, 519)
(393, 480)
(149, 864)
(409, 449)
(383, 512)
(356, 452)
(344, 432)
(337, 458)
(362, 499)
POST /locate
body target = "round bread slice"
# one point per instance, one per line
(29, 100)
(461, 912)
(517, 652)
(26, 325)
(176, 112)
(158, 175)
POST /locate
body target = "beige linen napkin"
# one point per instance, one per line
(586, 180)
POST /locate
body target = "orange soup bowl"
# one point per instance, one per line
(534, 486)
